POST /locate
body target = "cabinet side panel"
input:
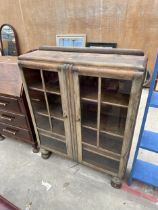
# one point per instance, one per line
(130, 121)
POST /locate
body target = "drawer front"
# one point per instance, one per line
(14, 132)
(13, 119)
(9, 104)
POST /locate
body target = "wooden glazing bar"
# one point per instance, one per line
(46, 99)
(99, 110)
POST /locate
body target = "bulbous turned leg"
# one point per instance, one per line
(45, 154)
(1, 137)
(116, 182)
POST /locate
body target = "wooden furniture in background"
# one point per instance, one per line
(7, 205)
(84, 103)
(15, 120)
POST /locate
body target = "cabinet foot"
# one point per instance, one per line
(116, 182)
(35, 149)
(45, 154)
(1, 137)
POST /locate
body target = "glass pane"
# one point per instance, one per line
(89, 114)
(100, 161)
(33, 79)
(58, 126)
(55, 106)
(42, 122)
(89, 136)
(115, 92)
(110, 143)
(113, 119)
(38, 102)
(88, 88)
(53, 143)
(51, 82)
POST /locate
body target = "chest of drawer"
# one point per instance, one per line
(14, 132)
(14, 119)
(9, 104)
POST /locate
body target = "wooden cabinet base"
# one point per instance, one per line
(2, 138)
(45, 154)
(116, 182)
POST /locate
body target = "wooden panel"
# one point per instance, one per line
(13, 119)
(15, 133)
(10, 79)
(10, 104)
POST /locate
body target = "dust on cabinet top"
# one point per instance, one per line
(10, 78)
(133, 62)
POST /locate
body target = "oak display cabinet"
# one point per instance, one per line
(84, 103)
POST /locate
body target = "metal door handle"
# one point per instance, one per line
(5, 117)
(9, 131)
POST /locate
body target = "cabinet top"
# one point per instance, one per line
(88, 57)
(10, 78)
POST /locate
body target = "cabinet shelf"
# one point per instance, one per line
(50, 135)
(56, 111)
(89, 95)
(36, 86)
(101, 151)
(52, 89)
(115, 99)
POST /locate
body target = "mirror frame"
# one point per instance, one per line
(15, 35)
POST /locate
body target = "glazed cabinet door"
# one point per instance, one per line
(47, 97)
(101, 112)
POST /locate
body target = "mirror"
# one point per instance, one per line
(8, 38)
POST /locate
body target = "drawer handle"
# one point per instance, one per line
(3, 103)
(5, 117)
(9, 131)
